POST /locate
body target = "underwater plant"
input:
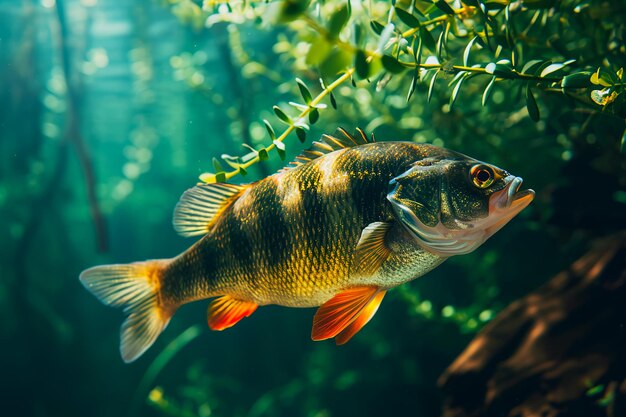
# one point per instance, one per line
(110, 109)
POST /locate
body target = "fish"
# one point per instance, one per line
(348, 220)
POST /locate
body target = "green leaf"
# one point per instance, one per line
(417, 52)
(377, 27)
(291, 9)
(338, 20)
(280, 148)
(392, 65)
(407, 18)
(440, 45)
(281, 115)
(301, 133)
(314, 116)
(504, 71)
(466, 52)
(263, 154)
(577, 80)
(457, 88)
(431, 86)
(488, 90)
(333, 102)
(242, 171)
(541, 67)
(530, 65)
(304, 91)
(414, 82)
(555, 67)
(428, 39)
(531, 105)
(216, 165)
(361, 65)
(444, 7)
(270, 130)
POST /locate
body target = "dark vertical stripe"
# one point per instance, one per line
(275, 242)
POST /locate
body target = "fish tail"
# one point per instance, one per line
(136, 288)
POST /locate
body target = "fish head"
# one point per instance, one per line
(451, 205)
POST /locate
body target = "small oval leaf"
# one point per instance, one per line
(301, 133)
(531, 105)
(407, 18)
(577, 80)
(431, 86)
(361, 65)
(444, 7)
(304, 91)
(282, 115)
(488, 90)
(555, 67)
(314, 116)
(392, 65)
(270, 130)
(466, 52)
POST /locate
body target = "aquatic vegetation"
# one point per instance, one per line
(418, 43)
(110, 109)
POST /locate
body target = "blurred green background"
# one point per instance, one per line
(110, 109)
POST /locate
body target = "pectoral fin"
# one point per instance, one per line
(225, 312)
(371, 251)
(346, 313)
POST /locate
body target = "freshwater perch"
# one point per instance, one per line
(350, 219)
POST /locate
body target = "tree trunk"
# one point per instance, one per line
(560, 351)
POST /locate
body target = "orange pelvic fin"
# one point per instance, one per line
(346, 313)
(364, 317)
(225, 312)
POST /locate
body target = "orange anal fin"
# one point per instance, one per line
(342, 310)
(364, 317)
(225, 312)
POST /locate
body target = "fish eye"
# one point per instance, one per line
(482, 176)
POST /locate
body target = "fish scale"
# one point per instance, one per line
(350, 220)
(320, 235)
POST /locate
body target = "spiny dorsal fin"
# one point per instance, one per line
(328, 144)
(198, 206)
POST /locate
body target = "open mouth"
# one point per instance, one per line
(511, 196)
(507, 203)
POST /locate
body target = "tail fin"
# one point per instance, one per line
(135, 287)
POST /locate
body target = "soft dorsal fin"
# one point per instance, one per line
(226, 311)
(328, 144)
(346, 313)
(198, 206)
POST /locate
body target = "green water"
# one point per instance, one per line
(109, 110)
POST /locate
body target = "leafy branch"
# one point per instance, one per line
(489, 27)
(311, 109)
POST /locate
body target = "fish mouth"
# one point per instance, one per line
(507, 203)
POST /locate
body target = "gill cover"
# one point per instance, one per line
(449, 214)
(417, 201)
